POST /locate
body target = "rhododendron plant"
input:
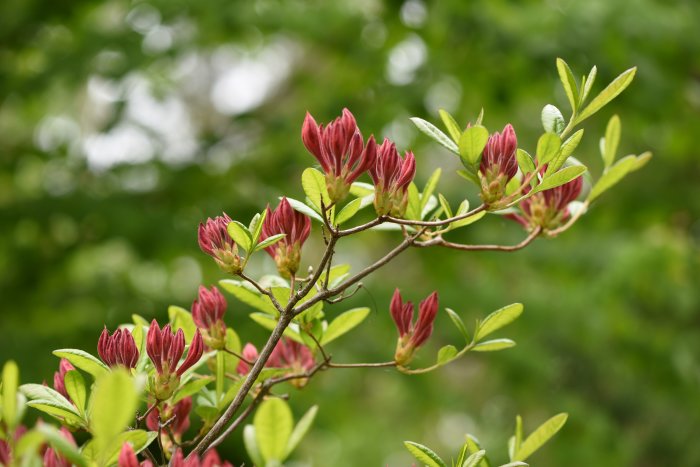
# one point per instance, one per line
(169, 393)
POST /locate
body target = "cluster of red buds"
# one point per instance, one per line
(340, 150)
(208, 314)
(498, 164)
(127, 458)
(392, 175)
(412, 335)
(296, 227)
(287, 354)
(548, 209)
(165, 349)
(118, 349)
(215, 241)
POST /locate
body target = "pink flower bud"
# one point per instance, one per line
(59, 377)
(296, 227)
(118, 349)
(250, 353)
(215, 241)
(293, 355)
(52, 458)
(211, 459)
(392, 175)
(498, 164)
(340, 150)
(208, 313)
(412, 336)
(180, 412)
(127, 458)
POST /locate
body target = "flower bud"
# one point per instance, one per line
(412, 336)
(54, 459)
(211, 459)
(293, 355)
(392, 175)
(296, 227)
(118, 349)
(340, 150)
(208, 313)
(250, 353)
(498, 164)
(127, 458)
(165, 349)
(59, 377)
(215, 241)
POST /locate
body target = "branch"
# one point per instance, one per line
(439, 223)
(262, 290)
(439, 241)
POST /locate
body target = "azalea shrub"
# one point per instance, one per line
(151, 384)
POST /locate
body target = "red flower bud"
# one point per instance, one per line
(208, 313)
(118, 349)
(180, 412)
(250, 353)
(59, 377)
(498, 164)
(52, 458)
(340, 150)
(293, 355)
(127, 458)
(296, 227)
(211, 459)
(215, 241)
(6, 447)
(392, 175)
(165, 349)
(412, 336)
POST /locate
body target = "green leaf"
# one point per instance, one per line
(547, 147)
(469, 174)
(344, 323)
(569, 83)
(642, 160)
(314, 184)
(515, 464)
(75, 387)
(10, 381)
(248, 296)
(269, 323)
(611, 141)
(300, 429)
(424, 454)
(45, 393)
(269, 241)
(473, 446)
(256, 225)
(567, 148)
(304, 209)
(193, 386)
(561, 177)
(474, 459)
(348, 211)
(451, 125)
(57, 441)
(472, 144)
(552, 119)
(432, 132)
(525, 161)
(361, 189)
(445, 205)
(337, 274)
(139, 320)
(606, 95)
(493, 345)
(57, 411)
(429, 188)
(113, 405)
(613, 175)
(540, 436)
(251, 445)
(446, 354)
(467, 220)
(83, 360)
(589, 80)
(413, 210)
(273, 427)
(139, 440)
(182, 319)
(498, 319)
(240, 234)
(459, 324)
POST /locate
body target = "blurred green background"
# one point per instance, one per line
(124, 124)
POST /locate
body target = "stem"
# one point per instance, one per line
(439, 223)
(419, 371)
(238, 356)
(439, 241)
(262, 290)
(220, 375)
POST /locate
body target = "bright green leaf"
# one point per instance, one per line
(58, 411)
(249, 297)
(314, 184)
(467, 220)
(493, 345)
(561, 177)
(273, 427)
(193, 386)
(612, 140)
(569, 83)
(83, 360)
(240, 234)
(432, 132)
(445, 205)
(413, 209)
(251, 445)
(361, 189)
(429, 188)
(113, 405)
(459, 324)
(269, 323)
(525, 161)
(472, 144)
(269, 241)
(590, 79)
(344, 323)
(424, 454)
(567, 148)
(256, 225)
(451, 125)
(446, 354)
(474, 459)
(182, 319)
(139, 440)
(612, 176)
(606, 95)
(59, 442)
(469, 174)
(300, 429)
(75, 387)
(304, 209)
(552, 119)
(548, 147)
(10, 381)
(540, 436)
(498, 319)
(348, 211)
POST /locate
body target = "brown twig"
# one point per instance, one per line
(439, 241)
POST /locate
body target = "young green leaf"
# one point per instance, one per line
(424, 454)
(251, 445)
(139, 440)
(459, 324)
(45, 393)
(337, 273)
(606, 95)
(612, 176)
(193, 386)
(451, 125)
(434, 133)
(515, 464)
(429, 188)
(83, 360)
(273, 427)
(59, 442)
(256, 224)
(498, 319)
(361, 189)
(561, 177)
(552, 119)
(472, 144)
(182, 319)
(445, 205)
(474, 459)
(413, 210)
(240, 234)
(114, 402)
(518, 435)
(569, 83)
(612, 140)
(69, 417)
(314, 184)
(467, 220)
(269, 323)
(493, 345)
(300, 429)
(269, 241)
(304, 209)
(540, 436)
(641, 161)
(348, 211)
(547, 147)
(525, 161)
(473, 446)
(10, 381)
(248, 296)
(590, 79)
(446, 354)
(75, 387)
(344, 323)
(567, 148)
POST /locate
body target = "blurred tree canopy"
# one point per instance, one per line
(124, 124)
